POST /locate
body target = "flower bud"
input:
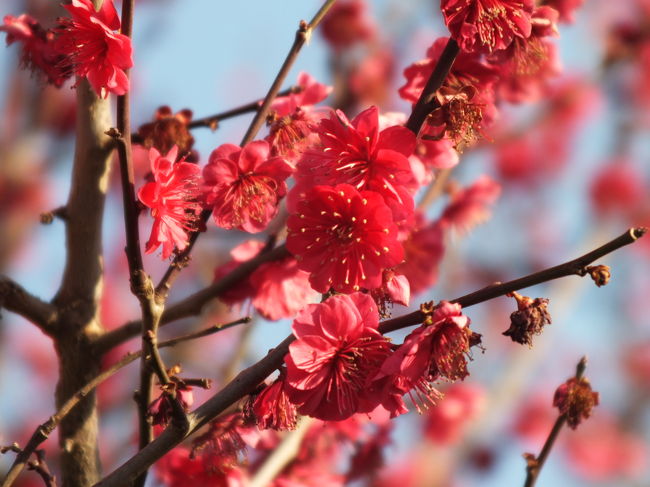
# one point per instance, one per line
(600, 274)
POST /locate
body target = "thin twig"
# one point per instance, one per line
(248, 379)
(38, 465)
(302, 36)
(193, 304)
(534, 465)
(45, 429)
(573, 267)
(141, 285)
(17, 299)
(249, 107)
(212, 121)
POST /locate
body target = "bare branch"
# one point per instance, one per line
(38, 465)
(17, 299)
(573, 267)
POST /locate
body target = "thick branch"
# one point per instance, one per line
(79, 293)
(15, 298)
(81, 282)
(248, 379)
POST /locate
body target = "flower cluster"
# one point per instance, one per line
(173, 199)
(85, 44)
(340, 364)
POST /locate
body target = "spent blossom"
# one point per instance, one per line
(91, 47)
(167, 130)
(575, 399)
(529, 319)
(243, 186)
(173, 199)
(344, 238)
(337, 347)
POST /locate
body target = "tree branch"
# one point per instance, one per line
(192, 305)
(212, 121)
(46, 428)
(248, 379)
(534, 465)
(141, 284)
(17, 299)
(570, 268)
(427, 101)
(78, 296)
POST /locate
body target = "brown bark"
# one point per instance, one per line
(78, 297)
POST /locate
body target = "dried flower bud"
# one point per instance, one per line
(167, 130)
(600, 274)
(528, 320)
(575, 399)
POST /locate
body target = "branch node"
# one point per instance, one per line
(47, 217)
(113, 133)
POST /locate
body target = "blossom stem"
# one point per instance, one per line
(249, 378)
(427, 101)
(534, 465)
